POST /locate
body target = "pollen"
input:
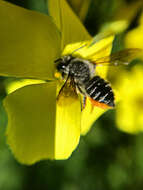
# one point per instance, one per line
(57, 75)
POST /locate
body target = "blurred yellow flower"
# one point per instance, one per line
(127, 11)
(38, 128)
(134, 38)
(124, 15)
(129, 111)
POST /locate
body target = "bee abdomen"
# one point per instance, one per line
(99, 90)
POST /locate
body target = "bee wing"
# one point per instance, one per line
(122, 57)
(67, 90)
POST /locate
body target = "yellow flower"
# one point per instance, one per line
(38, 128)
(124, 15)
(134, 38)
(128, 11)
(129, 114)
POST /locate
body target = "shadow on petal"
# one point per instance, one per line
(68, 23)
(68, 120)
(37, 129)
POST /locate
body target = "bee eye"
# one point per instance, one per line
(61, 67)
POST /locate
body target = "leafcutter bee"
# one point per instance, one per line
(80, 74)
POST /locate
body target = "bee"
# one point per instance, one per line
(80, 74)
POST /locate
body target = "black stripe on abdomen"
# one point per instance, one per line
(98, 89)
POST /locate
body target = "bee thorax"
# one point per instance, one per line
(80, 71)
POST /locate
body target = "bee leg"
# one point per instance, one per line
(63, 76)
(92, 107)
(83, 98)
(62, 88)
(84, 101)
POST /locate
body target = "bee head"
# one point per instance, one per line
(62, 64)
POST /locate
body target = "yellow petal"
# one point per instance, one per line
(67, 123)
(134, 39)
(33, 132)
(29, 42)
(127, 119)
(115, 27)
(89, 115)
(68, 23)
(31, 119)
(103, 48)
(128, 11)
(80, 7)
(14, 84)
(79, 46)
(130, 109)
(92, 51)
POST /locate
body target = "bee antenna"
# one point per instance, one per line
(57, 60)
(79, 48)
(60, 59)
